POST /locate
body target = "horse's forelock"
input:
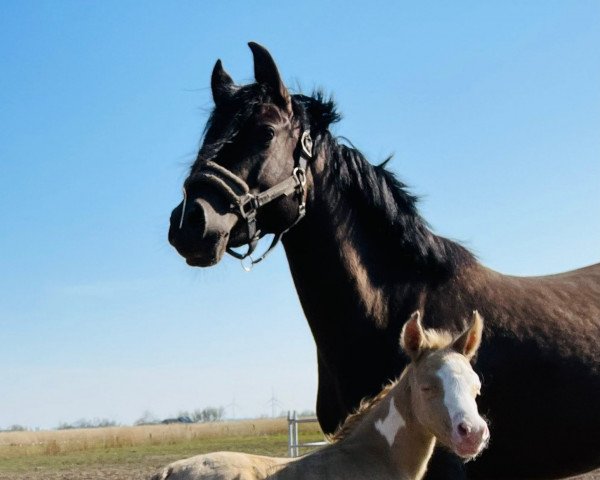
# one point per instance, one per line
(316, 112)
(227, 118)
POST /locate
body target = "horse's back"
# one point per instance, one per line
(221, 466)
(562, 301)
(562, 306)
(581, 280)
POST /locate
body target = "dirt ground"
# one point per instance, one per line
(129, 473)
(104, 473)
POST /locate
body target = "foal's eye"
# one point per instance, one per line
(266, 134)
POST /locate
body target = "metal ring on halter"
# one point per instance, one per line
(306, 143)
(247, 263)
(300, 175)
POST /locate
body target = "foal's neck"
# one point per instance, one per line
(394, 435)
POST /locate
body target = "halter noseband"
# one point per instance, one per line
(246, 205)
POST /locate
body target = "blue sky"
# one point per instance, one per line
(491, 108)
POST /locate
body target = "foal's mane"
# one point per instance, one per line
(365, 406)
(434, 340)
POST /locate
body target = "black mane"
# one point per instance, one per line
(387, 204)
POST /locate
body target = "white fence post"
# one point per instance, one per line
(294, 437)
(290, 435)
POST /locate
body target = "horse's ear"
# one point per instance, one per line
(221, 84)
(469, 341)
(265, 71)
(412, 338)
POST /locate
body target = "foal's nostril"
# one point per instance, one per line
(463, 429)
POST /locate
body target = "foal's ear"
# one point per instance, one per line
(469, 341)
(221, 84)
(265, 71)
(412, 338)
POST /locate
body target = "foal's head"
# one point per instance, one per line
(443, 386)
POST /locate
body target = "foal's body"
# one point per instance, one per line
(391, 437)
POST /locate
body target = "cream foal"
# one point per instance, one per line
(392, 435)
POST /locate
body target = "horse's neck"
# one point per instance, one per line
(393, 434)
(325, 264)
(363, 232)
(336, 259)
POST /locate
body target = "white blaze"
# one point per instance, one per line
(459, 380)
(389, 426)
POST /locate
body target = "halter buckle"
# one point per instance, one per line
(301, 210)
(247, 206)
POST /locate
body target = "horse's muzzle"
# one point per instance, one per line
(199, 233)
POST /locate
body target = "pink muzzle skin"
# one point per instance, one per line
(470, 438)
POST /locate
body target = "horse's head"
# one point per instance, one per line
(443, 386)
(249, 178)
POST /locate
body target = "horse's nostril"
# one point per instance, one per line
(196, 215)
(196, 218)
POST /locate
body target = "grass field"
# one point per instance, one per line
(133, 453)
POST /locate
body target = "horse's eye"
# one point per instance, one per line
(266, 134)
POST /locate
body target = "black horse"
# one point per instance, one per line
(363, 260)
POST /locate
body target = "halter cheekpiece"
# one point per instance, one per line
(246, 204)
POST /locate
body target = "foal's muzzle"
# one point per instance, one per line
(470, 437)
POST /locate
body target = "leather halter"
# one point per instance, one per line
(246, 204)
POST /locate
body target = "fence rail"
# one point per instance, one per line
(294, 444)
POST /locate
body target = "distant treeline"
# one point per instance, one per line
(208, 414)
(85, 423)
(14, 428)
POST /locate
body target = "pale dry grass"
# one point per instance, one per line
(134, 453)
(76, 440)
